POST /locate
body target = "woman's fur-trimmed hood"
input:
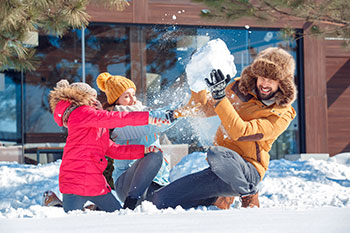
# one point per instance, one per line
(76, 93)
(274, 63)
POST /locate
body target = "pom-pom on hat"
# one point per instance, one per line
(77, 93)
(113, 85)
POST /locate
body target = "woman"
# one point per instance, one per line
(135, 180)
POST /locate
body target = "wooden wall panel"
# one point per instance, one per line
(140, 11)
(334, 48)
(181, 12)
(138, 59)
(333, 65)
(338, 97)
(186, 12)
(316, 123)
(101, 14)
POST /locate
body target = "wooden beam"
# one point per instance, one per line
(177, 12)
(140, 10)
(138, 60)
(316, 119)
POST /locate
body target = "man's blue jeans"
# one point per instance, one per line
(228, 175)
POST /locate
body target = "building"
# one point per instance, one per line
(151, 43)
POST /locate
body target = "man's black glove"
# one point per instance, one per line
(217, 84)
(169, 114)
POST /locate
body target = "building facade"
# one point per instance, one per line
(151, 42)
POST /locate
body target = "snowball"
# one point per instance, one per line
(213, 55)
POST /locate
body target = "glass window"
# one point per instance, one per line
(107, 49)
(59, 58)
(155, 58)
(10, 106)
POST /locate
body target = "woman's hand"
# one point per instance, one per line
(97, 104)
(158, 121)
(151, 149)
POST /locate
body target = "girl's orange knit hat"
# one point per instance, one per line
(113, 85)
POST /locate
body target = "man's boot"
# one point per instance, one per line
(224, 202)
(250, 200)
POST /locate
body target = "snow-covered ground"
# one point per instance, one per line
(295, 196)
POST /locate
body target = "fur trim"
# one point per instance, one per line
(287, 93)
(138, 107)
(72, 93)
(247, 83)
(276, 64)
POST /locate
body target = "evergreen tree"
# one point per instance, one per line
(20, 18)
(324, 18)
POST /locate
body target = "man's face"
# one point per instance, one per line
(266, 88)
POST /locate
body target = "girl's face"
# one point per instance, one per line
(127, 98)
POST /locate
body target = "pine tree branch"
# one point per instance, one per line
(326, 17)
(276, 9)
(18, 17)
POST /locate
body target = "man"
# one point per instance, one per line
(254, 110)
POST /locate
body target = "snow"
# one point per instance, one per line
(213, 55)
(295, 196)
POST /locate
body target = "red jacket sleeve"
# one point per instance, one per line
(123, 152)
(86, 116)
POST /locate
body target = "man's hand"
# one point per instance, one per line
(217, 84)
(170, 116)
(187, 111)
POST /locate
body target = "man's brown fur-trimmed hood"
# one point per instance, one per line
(273, 63)
(77, 93)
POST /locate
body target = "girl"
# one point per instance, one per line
(81, 177)
(135, 180)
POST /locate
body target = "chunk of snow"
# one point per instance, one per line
(213, 55)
